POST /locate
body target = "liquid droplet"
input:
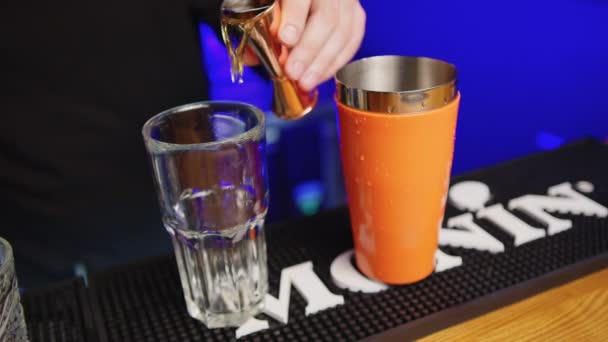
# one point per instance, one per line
(369, 183)
(358, 132)
(362, 158)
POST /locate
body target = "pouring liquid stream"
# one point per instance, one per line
(238, 21)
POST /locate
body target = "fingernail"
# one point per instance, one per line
(295, 69)
(289, 34)
(309, 80)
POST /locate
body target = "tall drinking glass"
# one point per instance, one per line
(12, 320)
(209, 167)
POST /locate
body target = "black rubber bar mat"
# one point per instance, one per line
(510, 231)
(60, 312)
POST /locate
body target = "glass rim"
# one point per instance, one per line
(158, 145)
(8, 255)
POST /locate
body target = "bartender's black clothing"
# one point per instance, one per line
(79, 79)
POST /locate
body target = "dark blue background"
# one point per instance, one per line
(533, 75)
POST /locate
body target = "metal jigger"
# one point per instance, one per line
(258, 22)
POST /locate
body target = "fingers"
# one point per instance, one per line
(332, 35)
(294, 14)
(319, 28)
(353, 44)
(320, 70)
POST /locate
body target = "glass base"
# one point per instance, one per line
(223, 320)
(224, 275)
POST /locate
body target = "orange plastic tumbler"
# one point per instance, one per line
(397, 121)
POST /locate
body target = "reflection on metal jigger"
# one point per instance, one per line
(254, 23)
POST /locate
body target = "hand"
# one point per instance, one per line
(323, 36)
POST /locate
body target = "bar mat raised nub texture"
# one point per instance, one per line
(143, 302)
(59, 313)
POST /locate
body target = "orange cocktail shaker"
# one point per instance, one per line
(397, 122)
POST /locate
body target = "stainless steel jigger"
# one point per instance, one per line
(260, 18)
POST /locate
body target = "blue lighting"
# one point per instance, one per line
(524, 66)
(308, 197)
(548, 141)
